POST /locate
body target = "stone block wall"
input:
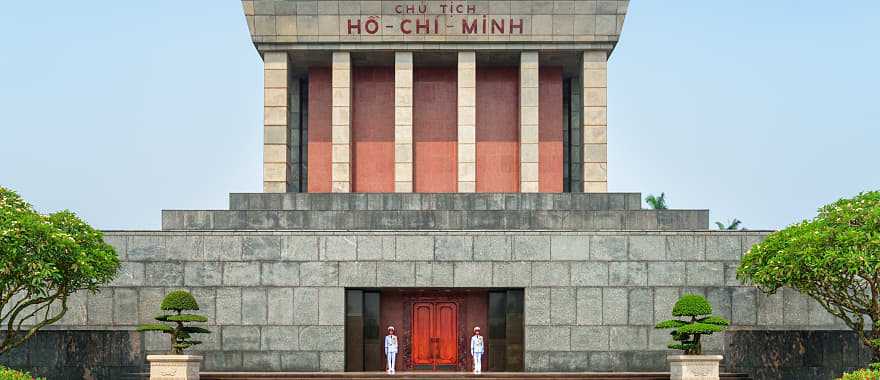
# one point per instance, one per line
(275, 299)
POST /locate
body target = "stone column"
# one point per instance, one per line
(467, 121)
(340, 123)
(528, 122)
(595, 117)
(276, 136)
(403, 108)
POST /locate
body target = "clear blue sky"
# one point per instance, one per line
(760, 110)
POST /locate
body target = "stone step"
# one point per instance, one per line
(569, 220)
(448, 375)
(435, 201)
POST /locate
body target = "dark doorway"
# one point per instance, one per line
(434, 328)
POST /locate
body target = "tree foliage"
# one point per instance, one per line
(732, 225)
(655, 202)
(833, 258)
(43, 260)
(178, 301)
(695, 320)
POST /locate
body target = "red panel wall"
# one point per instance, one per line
(497, 129)
(320, 103)
(435, 130)
(373, 129)
(550, 159)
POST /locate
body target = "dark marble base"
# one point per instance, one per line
(794, 355)
(763, 355)
(81, 354)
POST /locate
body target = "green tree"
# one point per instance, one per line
(178, 301)
(43, 260)
(733, 225)
(656, 203)
(833, 258)
(696, 320)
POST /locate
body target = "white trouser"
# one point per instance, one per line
(391, 355)
(478, 362)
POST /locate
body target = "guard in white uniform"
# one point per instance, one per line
(390, 349)
(477, 350)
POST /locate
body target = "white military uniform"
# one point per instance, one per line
(390, 351)
(477, 352)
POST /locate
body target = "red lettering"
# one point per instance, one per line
(403, 26)
(354, 26)
(371, 26)
(485, 22)
(423, 26)
(468, 29)
(497, 26)
(516, 26)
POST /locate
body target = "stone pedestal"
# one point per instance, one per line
(174, 367)
(693, 367)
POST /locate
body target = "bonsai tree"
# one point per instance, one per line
(833, 258)
(656, 203)
(43, 260)
(696, 320)
(733, 225)
(177, 302)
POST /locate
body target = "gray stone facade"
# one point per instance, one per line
(275, 299)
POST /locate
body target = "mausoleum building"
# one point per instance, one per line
(436, 166)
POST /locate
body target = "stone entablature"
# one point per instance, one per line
(275, 300)
(297, 22)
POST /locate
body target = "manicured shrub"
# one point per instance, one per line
(862, 374)
(178, 301)
(695, 320)
(11, 374)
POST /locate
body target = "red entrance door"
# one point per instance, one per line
(435, 334)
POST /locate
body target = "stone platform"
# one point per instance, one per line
(436, 211)
(448, 375)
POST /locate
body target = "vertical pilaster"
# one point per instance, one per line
(595, 116)
(276, 136)
(467, 121)
(528, 122)
(403, 129)
(340, 123)
(294, 141)
(577, 136)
